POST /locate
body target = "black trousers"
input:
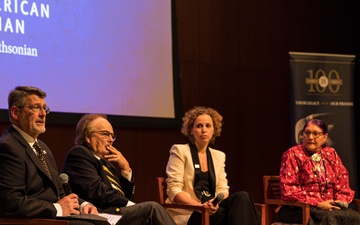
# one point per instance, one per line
(237, 209)
(288, 214)
(145, 213)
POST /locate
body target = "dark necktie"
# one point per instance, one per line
(111, 178)
(42, 159)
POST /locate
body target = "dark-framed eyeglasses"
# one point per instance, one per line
(314, 134)
(36, 108)
(106, 135)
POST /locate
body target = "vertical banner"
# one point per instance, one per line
(322, 88)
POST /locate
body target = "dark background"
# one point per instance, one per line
(233, 56)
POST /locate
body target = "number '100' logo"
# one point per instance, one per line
(320, 81)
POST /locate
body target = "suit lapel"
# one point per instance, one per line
(34, 158)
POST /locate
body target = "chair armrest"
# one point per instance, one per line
(357, 202)
(205, 215)
(262, 209)
(305, 207)
(183, 206)
(283, 202)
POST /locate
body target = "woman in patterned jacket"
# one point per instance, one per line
(313, 172)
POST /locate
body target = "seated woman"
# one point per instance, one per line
(196, 174)
(312, 172)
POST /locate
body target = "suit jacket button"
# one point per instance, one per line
(117, 209)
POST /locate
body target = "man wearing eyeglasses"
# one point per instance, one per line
(29, 186)
(94, 178)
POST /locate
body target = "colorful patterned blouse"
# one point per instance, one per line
(314, 178)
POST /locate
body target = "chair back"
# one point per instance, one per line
(272, 200)
(271, 188)
(161, 194)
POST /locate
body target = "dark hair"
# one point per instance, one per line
(83, 128)
(318, 123)
(192, 114)
(17, 95)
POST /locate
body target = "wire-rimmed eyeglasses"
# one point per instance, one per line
(36, 108)
(105, 135)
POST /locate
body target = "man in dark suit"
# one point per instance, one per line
(93, 177)
(29, 186)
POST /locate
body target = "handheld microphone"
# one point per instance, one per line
(218, 199)
(64, 181)
(342, 205)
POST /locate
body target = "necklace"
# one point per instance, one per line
(319, 168)
(316, 157)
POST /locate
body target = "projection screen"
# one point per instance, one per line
(114, 57)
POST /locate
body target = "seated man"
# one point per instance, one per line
(29, 186)
(95, 179)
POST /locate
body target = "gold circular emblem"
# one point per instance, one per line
(316, 157)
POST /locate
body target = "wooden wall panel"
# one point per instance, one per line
(245, 34)
(256, 113)
(190, 84)
(188, 30)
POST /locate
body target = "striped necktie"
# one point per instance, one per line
(111, 178)
(41, 156)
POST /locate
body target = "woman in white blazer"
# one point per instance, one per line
(196, 175)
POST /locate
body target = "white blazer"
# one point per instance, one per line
(180, 178)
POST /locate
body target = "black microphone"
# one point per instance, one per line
(218, 199)
(64, 181)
